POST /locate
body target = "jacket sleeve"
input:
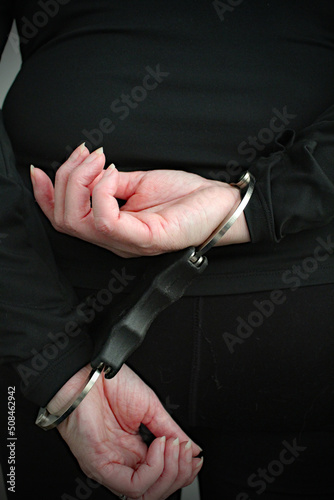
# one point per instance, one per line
(294, 186)
(41, 332)
(6, 21)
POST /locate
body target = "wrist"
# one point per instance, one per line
(238, 232)
(69, 391)
(51, 416)
(241, 234)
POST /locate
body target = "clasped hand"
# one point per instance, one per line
(164, 210)
(102, 434)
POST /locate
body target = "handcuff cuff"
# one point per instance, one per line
(161, 286)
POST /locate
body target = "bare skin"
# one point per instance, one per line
(102, 433)
(165, 210)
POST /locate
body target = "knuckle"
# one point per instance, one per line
(135, 493)
(150, 247)
(102, 225)
(69, 224)
(56, 227)
(101, 191)
(189, 478)
(60, 175)
(189, 481)
(73, 176)
(186, 471)
(57, 224)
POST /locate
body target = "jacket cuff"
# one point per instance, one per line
(258, 212)
(258, 219)
(294, 188)
(48, 370)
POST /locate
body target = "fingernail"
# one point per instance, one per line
(188, 445)
(163, 442)
(78, 152)
(110, 169)
(199, 463)
(187, 448)
(94, 154)
(32, 173)
(176, 450)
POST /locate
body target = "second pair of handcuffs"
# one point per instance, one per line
(160, 287)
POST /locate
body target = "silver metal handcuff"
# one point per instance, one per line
(48, 421)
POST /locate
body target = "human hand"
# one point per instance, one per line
(165, 210)
(102, 433)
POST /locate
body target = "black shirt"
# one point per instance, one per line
(187, 85)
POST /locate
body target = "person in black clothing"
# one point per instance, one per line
(244, 360)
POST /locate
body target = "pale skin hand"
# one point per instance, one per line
(102, 433)
(166, 210)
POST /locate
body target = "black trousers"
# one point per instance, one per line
(250, 377)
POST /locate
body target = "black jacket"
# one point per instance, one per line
(292, 207)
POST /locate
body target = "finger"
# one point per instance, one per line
(148, 473)
(96, 180)
(197, 464)
(43, 191)
(132, 483)
(78, 191)
(160, 423)
(164, 486)
(104, 195)
(62, 174)
(185, 467)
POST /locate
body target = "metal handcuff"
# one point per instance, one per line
(163, 284)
